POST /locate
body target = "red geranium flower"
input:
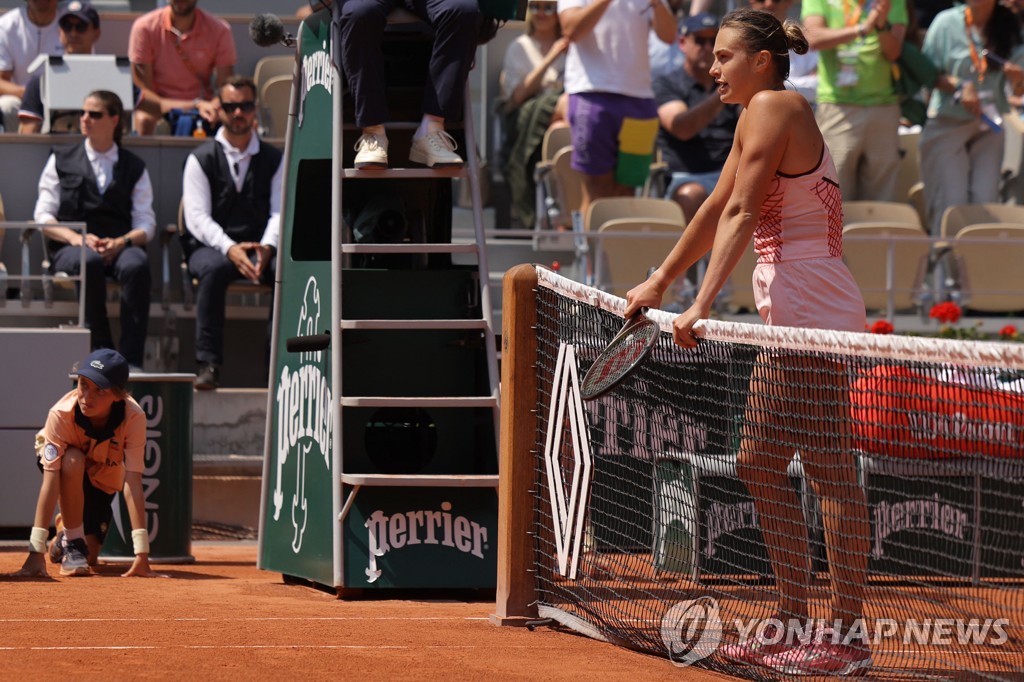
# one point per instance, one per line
(882, 327)
(1008, 332)
(946, 313)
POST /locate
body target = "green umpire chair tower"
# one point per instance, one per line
(380, 467)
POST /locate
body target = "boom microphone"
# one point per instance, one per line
(267, 30)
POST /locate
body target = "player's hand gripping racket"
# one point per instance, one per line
(621, 356)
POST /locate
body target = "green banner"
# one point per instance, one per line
(166, 400)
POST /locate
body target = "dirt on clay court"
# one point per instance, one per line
(222, 618)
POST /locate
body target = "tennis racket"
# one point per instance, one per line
(621, 356)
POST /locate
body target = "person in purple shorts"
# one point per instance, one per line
(612, 113)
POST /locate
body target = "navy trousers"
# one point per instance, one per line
(131, 270)
(215, 273)
(456, 25)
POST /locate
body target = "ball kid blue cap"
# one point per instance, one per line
(104, 367)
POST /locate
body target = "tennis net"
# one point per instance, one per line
(877, 501)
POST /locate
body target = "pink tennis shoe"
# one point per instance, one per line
(825, 654)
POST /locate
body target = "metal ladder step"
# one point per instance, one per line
(410, 248)
(424, 480)
(419, 401)
(415, 173)
(414, 324)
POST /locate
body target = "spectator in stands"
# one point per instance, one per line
(232, 202)
(697, 128)
(666, 57)
(25, 33)
(803, 68)
(108, 188)
(457, 25)
(612, 112)
(779, 188)
(532, 99)
(975, 47)
(79, 31)
(92, 446)
(857, 109)
(181, 53)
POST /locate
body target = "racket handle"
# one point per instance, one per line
(308, 344)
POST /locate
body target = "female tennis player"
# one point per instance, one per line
(779, 187)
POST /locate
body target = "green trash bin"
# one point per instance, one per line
(166, 400)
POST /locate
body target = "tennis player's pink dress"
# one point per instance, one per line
(800, 279)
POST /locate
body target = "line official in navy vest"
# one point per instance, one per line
(108, 188)
(232, 204)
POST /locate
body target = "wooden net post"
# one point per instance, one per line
(516, 594)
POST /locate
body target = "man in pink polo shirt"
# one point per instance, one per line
(179, 52)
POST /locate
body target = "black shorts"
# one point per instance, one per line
(97, 510)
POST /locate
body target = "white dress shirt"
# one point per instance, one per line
(48, 202)
(198, 201)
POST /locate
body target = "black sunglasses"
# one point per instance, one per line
(704, 42)
(543, 7)
(231, 107)
(94, 115)
(75, 26)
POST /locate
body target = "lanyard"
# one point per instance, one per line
(980, 65)
(852, 17)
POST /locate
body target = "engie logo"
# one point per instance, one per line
(691, 630)
(304, 417)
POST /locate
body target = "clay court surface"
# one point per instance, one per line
(221, 618)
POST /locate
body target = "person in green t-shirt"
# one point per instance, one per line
(858, 111)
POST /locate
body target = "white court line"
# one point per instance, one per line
(222, 620)
(369, 647)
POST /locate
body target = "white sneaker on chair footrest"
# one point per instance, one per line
(371, 151)
(435, 149)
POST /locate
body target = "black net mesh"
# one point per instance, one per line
(763, 511)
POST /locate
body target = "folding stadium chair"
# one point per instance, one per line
(915, 197)
(555, 139)
(622, 257)
(601, 211)
(889, 262)
(568, 185)
(547, 208)
(987, 261)
(909, 173)
(880, 212)
(628, 249)
(274, 99)
(956, 218)
(271, 67)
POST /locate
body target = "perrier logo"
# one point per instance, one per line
(305, 422)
